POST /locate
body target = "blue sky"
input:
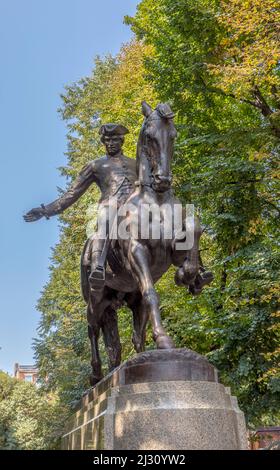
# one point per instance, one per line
(44, 45)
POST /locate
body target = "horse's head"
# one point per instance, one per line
(156, 145)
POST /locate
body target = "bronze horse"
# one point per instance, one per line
(136, 264)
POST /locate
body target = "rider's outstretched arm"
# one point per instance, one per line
(86, 177)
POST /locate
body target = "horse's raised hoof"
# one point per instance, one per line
(200, 282)
(164, 342)
(207, 277)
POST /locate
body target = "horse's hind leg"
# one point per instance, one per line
(93, 334)
(111, 337)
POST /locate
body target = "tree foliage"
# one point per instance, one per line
(226, 162)
(28, 419)
(216, 63)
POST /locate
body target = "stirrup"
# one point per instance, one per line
(97, 278)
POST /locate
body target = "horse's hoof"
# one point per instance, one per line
(164, 342)
(179, 277)
(207, 277)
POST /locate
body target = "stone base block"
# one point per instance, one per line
(174, 415)
(162, 400)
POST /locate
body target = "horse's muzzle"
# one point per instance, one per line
(161, 183)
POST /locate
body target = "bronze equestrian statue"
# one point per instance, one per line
(124, 271)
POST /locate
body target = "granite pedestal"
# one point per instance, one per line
(162, 400)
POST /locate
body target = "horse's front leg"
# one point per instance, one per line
(139, 262)
(140, 319)
(191, 272)
(186, 256)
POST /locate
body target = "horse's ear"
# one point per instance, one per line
(146, 109)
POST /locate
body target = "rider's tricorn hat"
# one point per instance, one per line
(113, 129)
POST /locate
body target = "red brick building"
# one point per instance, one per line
(265, 437)
(27, 373)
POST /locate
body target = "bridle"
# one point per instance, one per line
(144, 146)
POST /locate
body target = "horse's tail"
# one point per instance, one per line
(85, 270)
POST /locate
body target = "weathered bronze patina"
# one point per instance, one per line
(133, 265)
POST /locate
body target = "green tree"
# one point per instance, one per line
(226, 162)
(28, 419)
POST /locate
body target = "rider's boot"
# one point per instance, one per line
(97, 275)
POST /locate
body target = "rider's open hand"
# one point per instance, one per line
(33, 215)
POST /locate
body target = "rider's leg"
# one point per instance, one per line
(96, 250)
(97, 276)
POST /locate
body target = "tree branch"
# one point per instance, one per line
(259, 103)
(265, 201)
(274, 91)
(260, 100)
(243, 182)
(231, 95)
